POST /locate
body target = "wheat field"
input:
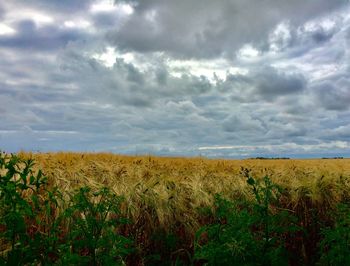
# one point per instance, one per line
(173, 198)
(173, 188)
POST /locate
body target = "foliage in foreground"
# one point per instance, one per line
(42, 226)
(335, 247)
(85, 233)
(248, 233)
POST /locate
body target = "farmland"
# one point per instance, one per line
(192, 211)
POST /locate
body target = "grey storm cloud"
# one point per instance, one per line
(57, 5)
(102, 20)
(271, 83)
(265, 82)
(173, 78)
(244, 123)
(334, 96)
(2, 12)
(212, 28)
(30, 37)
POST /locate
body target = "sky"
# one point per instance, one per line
(225, 78)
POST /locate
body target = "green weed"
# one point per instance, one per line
(32, 232)
(23, 205)
(247, 233)
(92, 237)
(335, 247)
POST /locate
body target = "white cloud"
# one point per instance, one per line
(39, 17)
(280, 37)
(248, 52)
(220, 67)
(5, 30)
(107, 6)
(77, 23)
(109, 55)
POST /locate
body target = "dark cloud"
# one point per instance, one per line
(334, 96)
(341, 132)
(264, 82)
(320, 35)
(31, 37)
(243, 122)
(305, 38)
(272, 83)
(348, 35)
(57, 5)
(134, 75)
(2, 12)
(212, 28)
(105, 20)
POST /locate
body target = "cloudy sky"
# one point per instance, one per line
(225, 78)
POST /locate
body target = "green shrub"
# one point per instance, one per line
(247, 233)
(26, 212)
(92, 238)
(33, 233)
(335, 247)
(272, 223)
(230, 240)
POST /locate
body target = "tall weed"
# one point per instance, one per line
(335, 246)
(248, 233)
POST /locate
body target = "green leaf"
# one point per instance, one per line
(251, 181)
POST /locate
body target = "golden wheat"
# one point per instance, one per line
(168, 191)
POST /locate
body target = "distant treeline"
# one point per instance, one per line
(287, 158)
(270, 158)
